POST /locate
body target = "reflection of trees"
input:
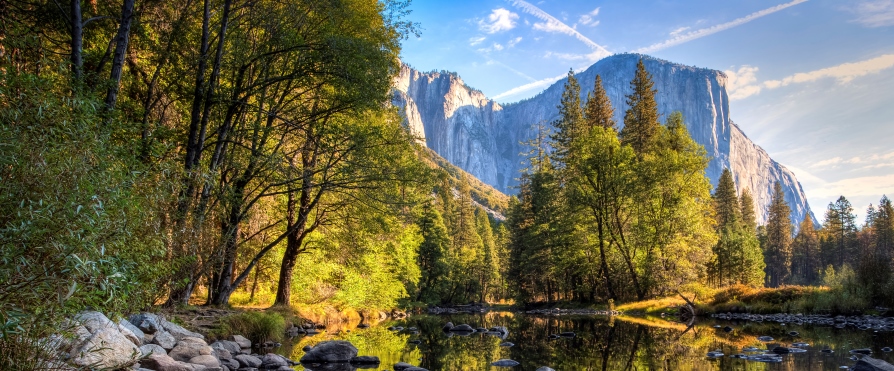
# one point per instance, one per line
(600, 344)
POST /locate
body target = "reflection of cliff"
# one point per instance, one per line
(484, 138)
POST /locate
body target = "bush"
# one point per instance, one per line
(258, 327)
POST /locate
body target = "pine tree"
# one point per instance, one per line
(778, 251)
(737, 255)
(641, 119)
(599, 111)
(883, 226)
(726, 202)
(840, 234)
(571, 119)
(806, 264)
(432, 257)
(747, 205)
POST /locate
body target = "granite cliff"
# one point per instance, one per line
(485, 138)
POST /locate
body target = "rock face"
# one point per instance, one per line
(484, 138)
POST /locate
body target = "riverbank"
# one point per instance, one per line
(817, 300)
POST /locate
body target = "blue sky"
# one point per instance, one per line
(811, 81)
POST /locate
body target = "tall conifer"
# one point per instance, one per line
(599, 110)
(778, 253)
(641, 118)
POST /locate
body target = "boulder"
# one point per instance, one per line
(781, 350)
(365, 360)
(137, 333)
(505, 363)
(868, 363)
(146, 322)
(415, 369)
(205, 360)
(401, 366)
(164, 340)
(230, 346)
(190, 347)
(106, 348)
(160, 362)
(865, 351)
(246, 360)
(231, 364)
(94, 321)
(241, 340)
(273, 361)
(152, 349)
(446, 327)
(178, 331)
(221, 353)
(544, 368)
(462, 328)
(330, 351)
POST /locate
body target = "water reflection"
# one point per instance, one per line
(601, 343)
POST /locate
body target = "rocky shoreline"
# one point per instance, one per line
(864, 322)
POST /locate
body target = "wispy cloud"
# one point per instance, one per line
(476, 40)
(866, 162)
(875, 13)
(843, 73)
(692, 35)
(514, 42)
(678, 31)
(533, 85)
(551, 24)
(499, 19)
(743, 83)
(589, 18)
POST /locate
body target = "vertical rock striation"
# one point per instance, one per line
(485, 138)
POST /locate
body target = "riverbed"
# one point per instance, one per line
(601, 343)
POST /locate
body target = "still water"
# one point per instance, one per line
(601, 343)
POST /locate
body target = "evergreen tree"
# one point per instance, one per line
(806, 263)
(883, 225)
(599, 110)
(641, 119)
(747, 205)
(488, 271)
(778, 253)
(432, 257)
(737, 255)
(840, 233)
(570, 123)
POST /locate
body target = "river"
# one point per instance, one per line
(600, 343)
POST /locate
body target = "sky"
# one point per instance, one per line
(810, 81)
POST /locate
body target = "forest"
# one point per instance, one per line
(245, 153)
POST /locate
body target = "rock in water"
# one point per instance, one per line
(462, 328)
(246, 360)
(330, 351)
(868, 363)
(241, 340)
(365, 360)
(485, 138)
(505, 363)
(401, 366)
(544, 368)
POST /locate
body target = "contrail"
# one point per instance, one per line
(559, 26)
(689, 36)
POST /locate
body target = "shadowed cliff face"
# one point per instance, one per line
(485, 138)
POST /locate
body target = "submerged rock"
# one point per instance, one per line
(505, 363)
(868, 363)
(330, 351)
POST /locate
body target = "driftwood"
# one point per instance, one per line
(687, 313)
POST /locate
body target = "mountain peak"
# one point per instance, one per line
(485, 138)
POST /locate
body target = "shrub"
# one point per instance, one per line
(256, 326)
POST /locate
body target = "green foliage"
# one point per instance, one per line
(258, 327)
(641, 118)
(78, 213)
(737, 254)
(615, 218)
(778, 246)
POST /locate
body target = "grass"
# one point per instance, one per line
(759, 300)
(258, 327)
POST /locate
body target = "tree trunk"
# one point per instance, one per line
(77, 41)
(121, 41)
